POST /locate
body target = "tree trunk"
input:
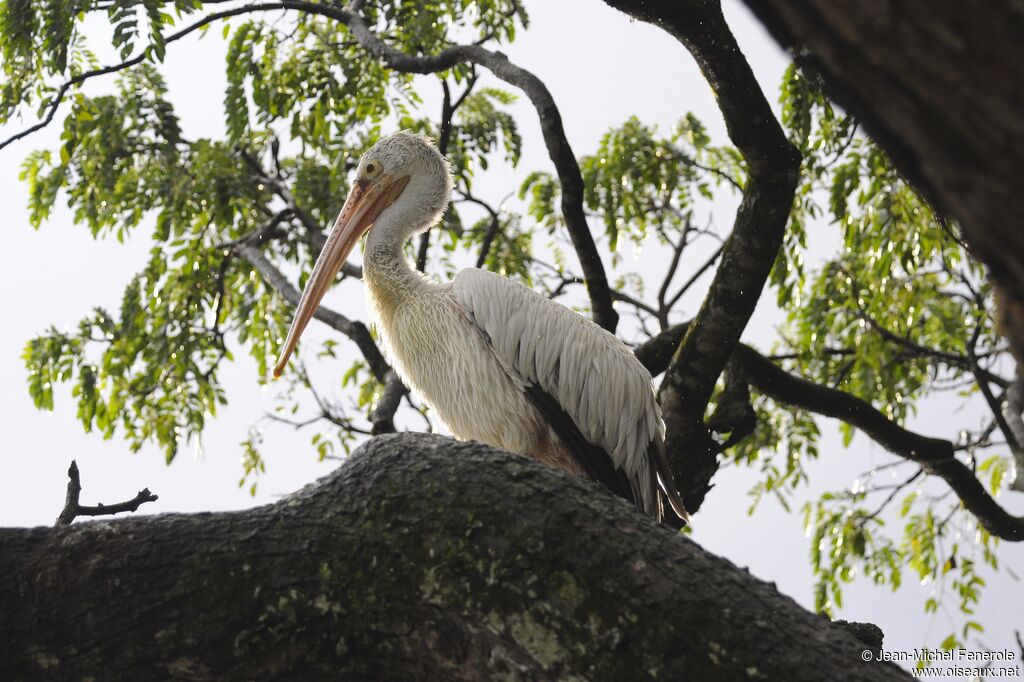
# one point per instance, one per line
(939, 84)
(420, 558)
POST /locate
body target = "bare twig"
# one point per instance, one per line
(72, 508)
(994, 403)
(492, 230)
(564, 281)
(327, 410)
(695, 276)
(892, 495)
(982, 440)
(677, 254)
(261, 234)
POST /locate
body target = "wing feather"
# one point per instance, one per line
(588, 374)
(594, 460)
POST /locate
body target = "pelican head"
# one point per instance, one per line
(403, 182)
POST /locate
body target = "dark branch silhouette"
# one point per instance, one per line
(751, 248)
(559, 150)
(935, 455)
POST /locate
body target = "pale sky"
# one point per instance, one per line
(601, 68)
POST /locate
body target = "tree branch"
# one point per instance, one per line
(698, 273)
(416, 559)
(72, 508)
(934, 455)
(327, 411)
(383, 415)
(448, 109)
(656, 353)
(492, 229)
(891, 496)
(677, 254)
(966, 362)
(751, 248)
(388, 404)
(314, 232)
(260, 235)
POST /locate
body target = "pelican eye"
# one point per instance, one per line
(371, 168)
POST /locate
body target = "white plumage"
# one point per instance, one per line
(592, 375)
(497, 362)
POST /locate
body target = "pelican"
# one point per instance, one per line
(496, 361)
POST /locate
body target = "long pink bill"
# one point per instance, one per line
(365, 202)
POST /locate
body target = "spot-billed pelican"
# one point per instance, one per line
(497, 362)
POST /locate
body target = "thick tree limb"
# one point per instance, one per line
(935, 455)
(420, 558)
(656, 352)
(751, 249)
(388, 403)
(73, 509)
(937, 84)
(780, 385)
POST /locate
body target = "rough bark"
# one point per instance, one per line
(937, 83)
(420, 558)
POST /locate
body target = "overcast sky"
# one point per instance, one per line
(601, 68)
